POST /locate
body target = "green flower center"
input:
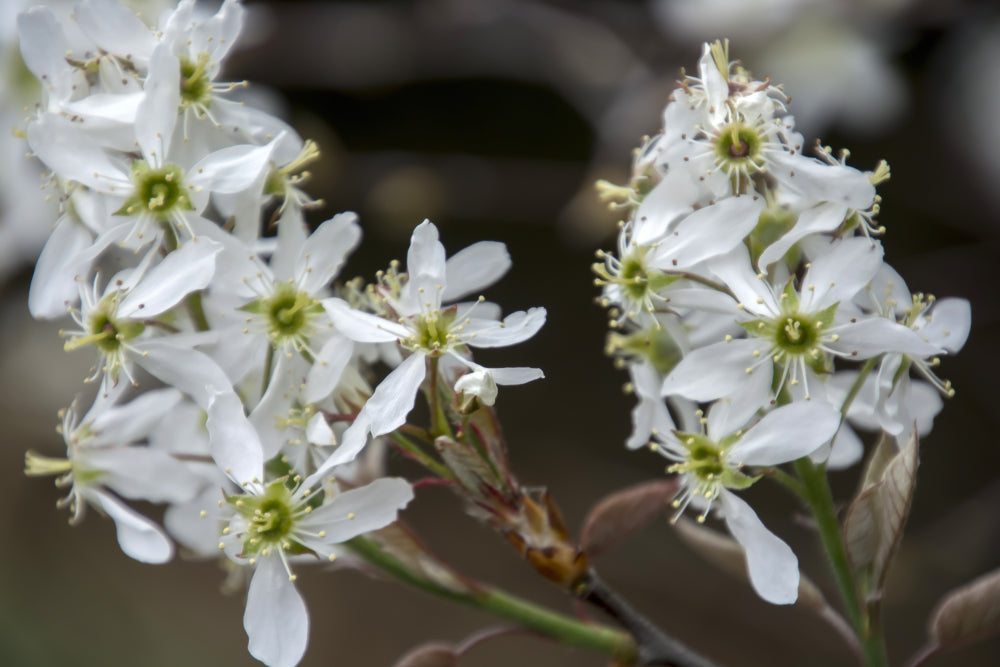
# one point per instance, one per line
(796, 334)
(270, 518)
(104, 331)
(630, 273)
(739, 148)
(433, 331)
(288, 314)
(158, 192)
(707, 463)
(196, 86)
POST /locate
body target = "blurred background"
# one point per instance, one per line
(493, 119)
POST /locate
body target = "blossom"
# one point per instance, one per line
(710, 464)
(117, 321)
(428, 330)
(154, 188)
(105, 459)
(793, 330)
(271, 522)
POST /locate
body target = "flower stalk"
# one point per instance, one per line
(558, 627)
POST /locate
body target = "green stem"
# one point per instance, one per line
(420, 455)
(439, 421)
(820, 501)
(866, 624)
(873, 644)
(856, 387)
(559, 627)
(789, 482)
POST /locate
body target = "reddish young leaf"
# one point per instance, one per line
(434, 654)
(617, 516)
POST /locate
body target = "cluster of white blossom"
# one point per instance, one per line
(746, 276)
(166, 188)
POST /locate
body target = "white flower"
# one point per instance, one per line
(284, 310)
(271, 524)
(710, 464)
(117, 321)
(892, 399)
(103, 453)
(153, 189)
(429, 330)
(793, 330)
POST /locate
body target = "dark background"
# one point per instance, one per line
(493, 119)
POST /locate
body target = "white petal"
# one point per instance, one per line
(115, 28)
(887, 285)
(823, 218)
(394, 397)
(683, 294)
(840, 273)
(325, 372)
(787, 433)
(187, 369)
(43, 49)
(231, 169)
(107, 106)
(875, 335)
(949, 323)
(325, 250)
(319, 432)
(275, 619)
(515, 328)
(217, 33)
(670, 198)
(717, 370)
(144, 473)
(360, 510)
(292, 235)
(157, 115)
(478, 383)
(283, 391)
(818, 181)
(425, 264)
(924, 403)
(733, 411)
(363, 327)
(709, 231)
(185, 270)
(138, 537)
(650, 414)
(736, 271)
(771, 564)
(516, 375)
(258, 126)
(122, 424)
(847, 449)
(475, 268)
(235, 444)
(53, 285)
(352, 442)
(66, 150)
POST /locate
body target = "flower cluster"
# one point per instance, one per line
(164, 257)
(746, 276)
